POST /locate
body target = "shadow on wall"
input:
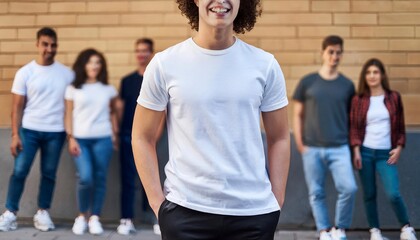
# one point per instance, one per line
(296, 212)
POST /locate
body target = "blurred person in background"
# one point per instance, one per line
(377, 135)
(37, 123)
(92, 128)
(129, 92)
(321, 130)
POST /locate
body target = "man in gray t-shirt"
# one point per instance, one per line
(321, 128)
(327, 106)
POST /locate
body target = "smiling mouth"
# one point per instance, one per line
(219, 10)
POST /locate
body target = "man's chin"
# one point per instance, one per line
(49, 59)
(334, 65)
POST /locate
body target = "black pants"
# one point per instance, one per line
(180, 223)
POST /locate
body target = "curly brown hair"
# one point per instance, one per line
(248, 12)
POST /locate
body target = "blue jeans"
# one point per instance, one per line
(316, 162)
(375, 161)
(129, 176)
(92, 169)
(51, 144)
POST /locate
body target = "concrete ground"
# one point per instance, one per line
(63, 232)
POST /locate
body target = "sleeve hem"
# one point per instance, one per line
(18, 92)
(276, 106)
(151, 106)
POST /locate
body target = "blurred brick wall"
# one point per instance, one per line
(292, 30)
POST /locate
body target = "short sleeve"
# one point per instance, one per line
(275, 95)
(112, 91)
(70, 76)
(299, 93)
(19, 83)
(69, 95)
(352, 90)
(153, 93)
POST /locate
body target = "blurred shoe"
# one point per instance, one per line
(42, 221)
(375, 234)
(408, 233)
(8, 221)
(126, 227)
(80, 225)
(95, 227)
(156, 229)
(338, 234)
(324, 235)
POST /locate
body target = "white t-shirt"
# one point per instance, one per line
(378, 126)
(213, 100)
(91, 109)
(44, 88)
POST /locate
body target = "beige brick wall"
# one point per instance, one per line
(290, 29)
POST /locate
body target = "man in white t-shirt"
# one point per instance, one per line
(214, 88)
(37, 123)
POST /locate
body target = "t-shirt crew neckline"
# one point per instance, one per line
(43, 66)
(92, 83)
(328, 80)
(214, 52)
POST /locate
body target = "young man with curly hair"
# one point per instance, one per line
(212, 89)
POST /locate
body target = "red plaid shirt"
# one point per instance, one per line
(358, 115)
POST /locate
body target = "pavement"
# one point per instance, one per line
(145, 232)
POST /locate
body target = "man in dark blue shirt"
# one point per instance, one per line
(129, 92)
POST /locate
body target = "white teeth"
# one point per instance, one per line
(219, 10)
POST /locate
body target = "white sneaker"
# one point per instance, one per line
(408, 233)
(324, 235)
(8, 221)
(338, 234)
(126, 227)
(80, 225)
(375, 234)
(156, 229)
(95, 227)
(42, 221)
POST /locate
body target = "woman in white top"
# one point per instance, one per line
(377, 135)
(91, 127)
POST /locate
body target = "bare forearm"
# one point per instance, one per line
(298, 117)
(16, 121)
(147, 167)
(68, 117)
(278, 146)
(279, 163)
(144, 139)
(356, 149)
(114, 122)
(119, 109)
(17, 113)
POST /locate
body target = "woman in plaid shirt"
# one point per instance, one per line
(377, 135)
